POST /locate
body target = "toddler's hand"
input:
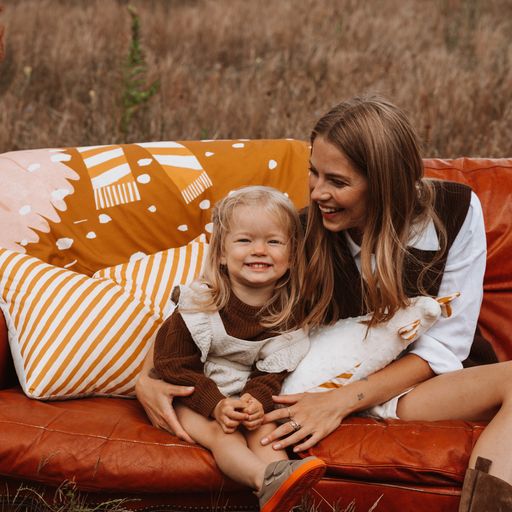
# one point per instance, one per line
(229, 414)
(254, 409)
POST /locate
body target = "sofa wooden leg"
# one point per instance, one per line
(482, 492)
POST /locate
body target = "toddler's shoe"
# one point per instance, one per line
(285, 482)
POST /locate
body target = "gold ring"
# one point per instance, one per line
(296, 426)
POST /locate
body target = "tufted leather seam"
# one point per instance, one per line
(416, 469)
(106, 438)
(448, 491)
(407, 426)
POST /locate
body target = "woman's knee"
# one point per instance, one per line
(506, 382)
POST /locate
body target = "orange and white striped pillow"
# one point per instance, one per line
(71, 335)
(151, 279)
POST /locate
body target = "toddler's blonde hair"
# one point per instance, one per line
(280, 311)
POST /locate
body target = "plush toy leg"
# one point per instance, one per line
(410, 331)
(482, 492)
(445, 303)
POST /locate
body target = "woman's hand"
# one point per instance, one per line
(317, 414)
(156, 397)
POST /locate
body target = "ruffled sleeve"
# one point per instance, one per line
(197, 322)
(293, 347)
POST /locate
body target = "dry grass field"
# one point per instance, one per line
(251, 69)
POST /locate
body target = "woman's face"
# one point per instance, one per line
(336, 188)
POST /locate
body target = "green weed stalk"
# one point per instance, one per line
(136, 93)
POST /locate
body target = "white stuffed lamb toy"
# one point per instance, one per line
(348, 350)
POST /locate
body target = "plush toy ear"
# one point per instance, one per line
(446, 308)
(410, 331)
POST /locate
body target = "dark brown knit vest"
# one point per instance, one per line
(451, 205)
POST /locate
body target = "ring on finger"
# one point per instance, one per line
(295, 426)
(289, 413)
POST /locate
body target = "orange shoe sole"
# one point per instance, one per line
(290, 493)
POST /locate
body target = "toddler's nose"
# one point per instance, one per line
(259, 247)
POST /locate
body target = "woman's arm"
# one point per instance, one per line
(319, 414)
(449, 341)
(156, 396)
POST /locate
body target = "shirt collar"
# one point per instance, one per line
(423, 236)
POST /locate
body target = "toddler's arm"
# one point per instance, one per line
(262, 385)
(177, 360)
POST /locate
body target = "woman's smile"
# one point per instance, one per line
(329, 212)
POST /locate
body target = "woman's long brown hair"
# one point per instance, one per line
(379, 142)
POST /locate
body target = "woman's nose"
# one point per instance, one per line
(318, 191)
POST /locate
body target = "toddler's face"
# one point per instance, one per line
(256, 251)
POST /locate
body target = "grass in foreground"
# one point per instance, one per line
(68, 498)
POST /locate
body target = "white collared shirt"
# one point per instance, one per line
(448, 342)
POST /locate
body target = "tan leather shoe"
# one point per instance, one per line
(286, 481)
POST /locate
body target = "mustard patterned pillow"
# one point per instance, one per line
(152, 278)
(71, 335)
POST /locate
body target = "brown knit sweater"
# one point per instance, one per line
(177, 358)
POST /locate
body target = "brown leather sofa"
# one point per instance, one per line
(108, 447)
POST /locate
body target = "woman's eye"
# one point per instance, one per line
(338, 184)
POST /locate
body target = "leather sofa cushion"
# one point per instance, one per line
(112, 447)
(433, 453)
(108, 443)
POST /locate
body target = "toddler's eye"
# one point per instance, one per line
(276, 242)
(243, 240)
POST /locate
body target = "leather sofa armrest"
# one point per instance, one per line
(6, 366)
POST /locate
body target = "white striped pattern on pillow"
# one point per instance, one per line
(71, 335)
(151, 279)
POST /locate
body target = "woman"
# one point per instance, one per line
(377, 233)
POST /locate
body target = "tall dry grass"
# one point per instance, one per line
(260, 68)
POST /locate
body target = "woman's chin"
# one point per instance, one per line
(333, 225)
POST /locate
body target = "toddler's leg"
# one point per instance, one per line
(230, 451)
(264, 452)
(284, 481)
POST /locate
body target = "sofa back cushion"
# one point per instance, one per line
(90, 208)
(491, 179)
(94, 207)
